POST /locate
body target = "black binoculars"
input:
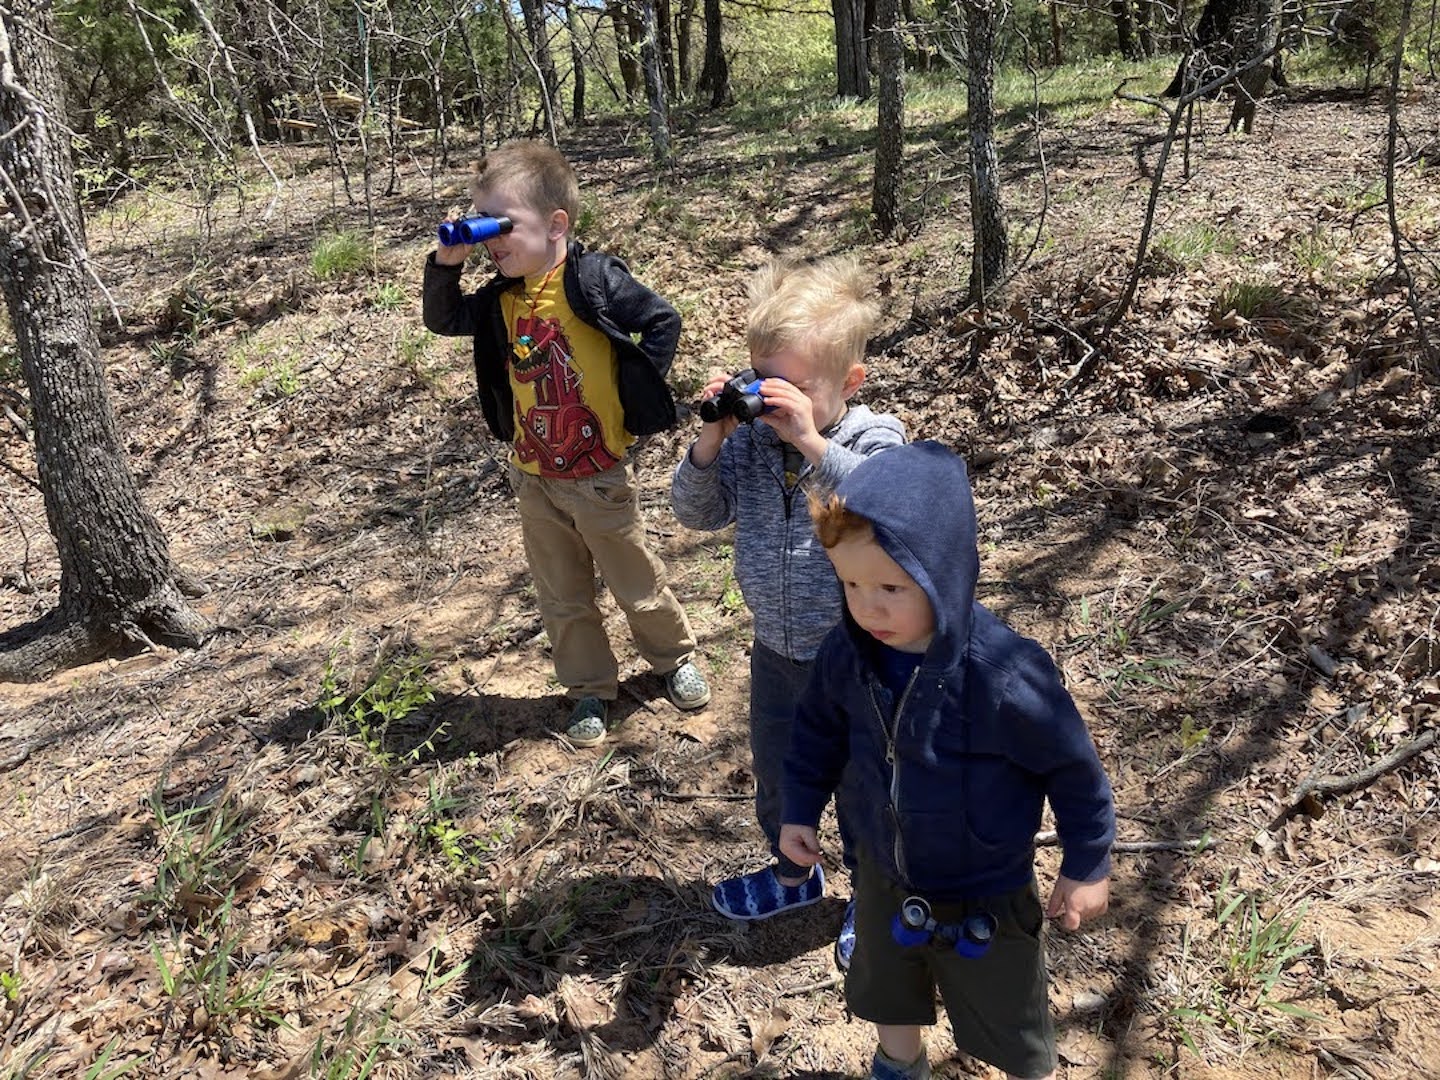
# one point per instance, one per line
(914, 925)
(739, 397)
(473, 230)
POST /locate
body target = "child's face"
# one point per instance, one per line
(881, 596)
(827, 393)
(534, 244)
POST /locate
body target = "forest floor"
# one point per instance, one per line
(342, 839)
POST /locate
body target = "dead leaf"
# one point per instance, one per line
(766, 1031)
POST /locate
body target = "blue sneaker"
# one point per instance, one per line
(845, 943)
(760, 895)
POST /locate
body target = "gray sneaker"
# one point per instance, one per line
(586, 726)
(687, 687)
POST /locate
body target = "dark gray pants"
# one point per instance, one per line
(776, 683)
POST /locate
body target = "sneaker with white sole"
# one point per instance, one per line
(687, 687)
(587, 723)
(752, 897)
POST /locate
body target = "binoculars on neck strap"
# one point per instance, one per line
(915, 925)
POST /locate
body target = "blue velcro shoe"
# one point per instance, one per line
(845, 943)
(760, 895)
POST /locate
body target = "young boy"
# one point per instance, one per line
(956, 730)
(808, 325)
(561, 378)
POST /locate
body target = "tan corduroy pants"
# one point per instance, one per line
(573, 527)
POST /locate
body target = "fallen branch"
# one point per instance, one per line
(1313, 788)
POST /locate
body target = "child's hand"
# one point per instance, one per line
(800, 844)
(713, 434)
(453, 255)
(1074, 902)
(791, 414)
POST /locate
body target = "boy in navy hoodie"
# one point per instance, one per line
(957, 730)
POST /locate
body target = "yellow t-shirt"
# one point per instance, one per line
(563, 372)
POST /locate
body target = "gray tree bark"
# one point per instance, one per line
(118, 586)
(991, 253)
(539, 42)
(659, 109)
(1256, 31)
(890, 123)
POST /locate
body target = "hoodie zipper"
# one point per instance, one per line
(894, 763)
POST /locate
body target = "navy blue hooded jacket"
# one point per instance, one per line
(952, 779)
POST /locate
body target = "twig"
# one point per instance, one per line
(1317, 786)
(1050, 838)
(822, 984)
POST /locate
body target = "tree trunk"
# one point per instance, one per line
(715, 73)
(1144, 17)
(991, 254)
(922, 52)
(118, 586)
(577, 65)
(539, 42)
(664, 44)
(1256, 33)
(684, 42)
(1124, 28)
(626, 36)
(889, 127)
(852, 65)
(1057, 42)
(655, 88)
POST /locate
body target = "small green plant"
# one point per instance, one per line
(1257, 950)
(357, 1050)
(199, 862)
(412, 347)
(1251, 299)
(1315, 250)
(1191, 733)
(388, 296)
(10, 985)
(1187, 247)
(101, 1069)
(338, 255)
(399, 687)
(207, 975)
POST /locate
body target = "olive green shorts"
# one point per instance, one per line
(997, 1003)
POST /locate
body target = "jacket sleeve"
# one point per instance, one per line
(1057, 747)
(819, 743)
(840, 460)
(448, 311)
(636, 310)
(704, 499)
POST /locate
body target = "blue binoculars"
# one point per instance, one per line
(739, 397)
(970, 937)
(473, 230)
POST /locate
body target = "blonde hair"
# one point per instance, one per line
(825, 307)
(833, 522)
(534, 172)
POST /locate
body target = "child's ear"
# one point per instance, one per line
(853, 378)
(559, 224)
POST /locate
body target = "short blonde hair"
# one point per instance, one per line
(534, 172)
(834, 523)
(825, 307)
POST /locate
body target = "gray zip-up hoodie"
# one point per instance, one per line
(783, 571)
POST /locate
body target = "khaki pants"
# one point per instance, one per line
(570, 528)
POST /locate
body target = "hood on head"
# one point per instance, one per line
(917, 498)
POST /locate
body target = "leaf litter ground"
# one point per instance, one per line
(230, 863)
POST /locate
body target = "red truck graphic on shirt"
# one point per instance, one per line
(559, 432)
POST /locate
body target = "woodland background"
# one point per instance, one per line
(281, 795)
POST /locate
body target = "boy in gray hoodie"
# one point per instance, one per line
(807, 328)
